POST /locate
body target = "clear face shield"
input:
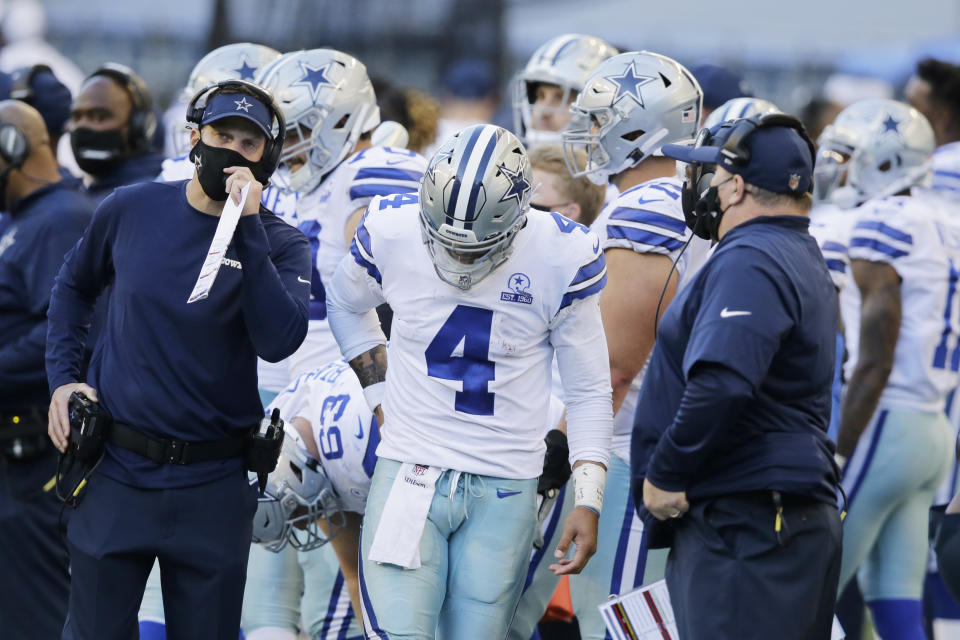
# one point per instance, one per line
(464, 264)
(305, 159)
(585, 132)
(829, 172)
(546, 111)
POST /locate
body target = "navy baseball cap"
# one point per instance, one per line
(238, 105)
(780, 159)
(49, 96)
(720, 84)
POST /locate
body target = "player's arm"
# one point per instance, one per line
(352, 223)
(629, 306)
(351, 299)
(346, 544)
(581, 349)
(880, 313)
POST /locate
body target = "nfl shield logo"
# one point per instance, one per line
(794, 181)
(419, 469)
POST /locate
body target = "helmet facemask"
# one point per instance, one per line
(464, 264)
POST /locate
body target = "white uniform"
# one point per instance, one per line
(919, 238)
(830, 226)
(322, 217)
(344, 428)
(648, 219)
(946, 169)
(468, 384)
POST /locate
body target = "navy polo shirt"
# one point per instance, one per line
(737, 392)
(38, 231)
(168, 368)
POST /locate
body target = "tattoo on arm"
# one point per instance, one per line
(880, 312)
(371, 366)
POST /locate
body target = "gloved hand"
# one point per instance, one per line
(556, 464)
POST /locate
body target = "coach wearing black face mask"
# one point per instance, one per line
(180, 379)
(111, 128)
(730, 451)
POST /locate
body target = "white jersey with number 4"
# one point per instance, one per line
(322, 216)
(468, 376)
(920, 238)
(345, 430)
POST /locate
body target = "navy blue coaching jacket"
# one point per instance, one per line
(737, 393)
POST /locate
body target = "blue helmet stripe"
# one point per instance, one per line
(455, 192)
(471, 212)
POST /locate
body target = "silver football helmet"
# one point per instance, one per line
(739, 108)
(298, 492)
(632, 105)
(474, 198)
(874, 148)
(238, 61)
(565, 61)
(328, 101)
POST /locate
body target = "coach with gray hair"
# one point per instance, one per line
(730, 453)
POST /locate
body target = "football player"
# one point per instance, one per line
(330, 163)
(934, 91)
(630, 106)
(551, 80)
(484, 291)
(901, 319)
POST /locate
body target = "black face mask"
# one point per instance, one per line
(701, 207)
(98, 152)
(210, 163)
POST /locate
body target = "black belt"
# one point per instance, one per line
(168, 451)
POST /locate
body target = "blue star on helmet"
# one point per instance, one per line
(629, 83)
(891, 125)
(519, 186)
(245, 71)
(315, 78)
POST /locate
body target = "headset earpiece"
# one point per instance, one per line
(14, 146)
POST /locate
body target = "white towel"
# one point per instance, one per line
(218, 247)
(397, 539)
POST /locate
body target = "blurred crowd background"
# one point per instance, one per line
(809, 58)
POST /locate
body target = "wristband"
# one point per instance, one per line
(374, 394)
(588, 482)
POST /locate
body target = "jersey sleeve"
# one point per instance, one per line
(647, 219)
(589, 279)
(352, 295)
(837, 257)
(383, 172)
(879, 235)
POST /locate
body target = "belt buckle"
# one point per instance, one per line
(174, 452)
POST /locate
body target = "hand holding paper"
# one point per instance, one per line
(221, 240)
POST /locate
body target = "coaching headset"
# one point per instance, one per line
(271, 154)
(734, 150)
(143, 121)
(14, 146)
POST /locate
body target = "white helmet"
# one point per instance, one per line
(298, 492)
(739, 108)
(565, 61)
(238, 61)
(632, 105)
(874, 148)
(328, 101)
(474, 198)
